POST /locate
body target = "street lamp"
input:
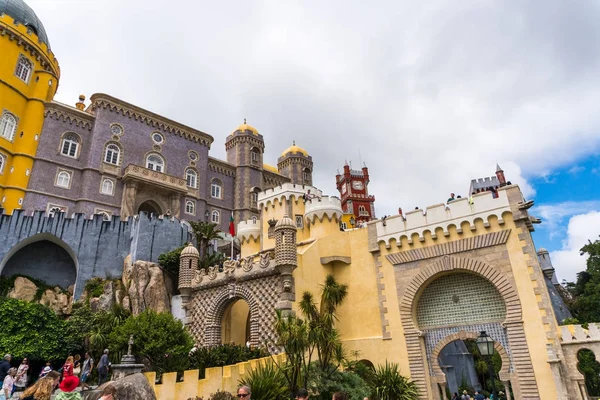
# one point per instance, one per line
(352, 221)
(485, 344)
(206, 214)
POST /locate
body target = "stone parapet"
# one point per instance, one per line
(320, 207)
(286, 191)
(138, 173)
(250, 229)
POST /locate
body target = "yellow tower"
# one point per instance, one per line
(29, 75)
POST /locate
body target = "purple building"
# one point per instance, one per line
(114, 158)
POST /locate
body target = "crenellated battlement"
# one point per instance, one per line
(578, 334)
(286, 191)
(250, 229)
(443, 216)
(320, 207)
(9, 27)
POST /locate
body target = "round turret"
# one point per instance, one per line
(245, 128)
(190, 250)
(293, 149)
(285, 242)
(285, 222)
(296, 164)
(23, 14)
(188, 263)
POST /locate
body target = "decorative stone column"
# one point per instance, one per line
(176, 205)
(286, 260)
(128, 200)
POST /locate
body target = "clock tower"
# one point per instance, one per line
(353, 186)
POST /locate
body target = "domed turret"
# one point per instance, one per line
(293, 149)
(285, 242)
(245, 128)
(188, 263)
(23, 14)
(296, 164)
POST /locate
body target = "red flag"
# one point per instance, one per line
(231, 226)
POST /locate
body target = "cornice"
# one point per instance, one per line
(64, 113)
(254, 140)
(221, 167)
(104, 101)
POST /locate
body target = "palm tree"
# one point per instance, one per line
(204, 232)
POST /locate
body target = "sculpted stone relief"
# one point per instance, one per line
(232, 268)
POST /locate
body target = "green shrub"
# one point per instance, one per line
(267, 383)
(387, 383)
(169, 261)
(323, 384)
(94, 287)
(225, 354)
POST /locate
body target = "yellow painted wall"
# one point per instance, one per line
(25, 100)
(235, 325)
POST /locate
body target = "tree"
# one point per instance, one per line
(160, 340)
(585, 291)
(204, 232)
(33, 330)
(169, 261)
(387, 383)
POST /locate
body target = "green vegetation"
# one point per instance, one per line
(388, 384)
(8, 282)
(205, 232)
(267, 383)
(225, 354)
(590, 368)
(94, 287)
(585, 292)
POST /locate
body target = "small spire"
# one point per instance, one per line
(498, 168)
(293, 142)
(244, 121)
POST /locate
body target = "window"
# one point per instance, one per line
(362, 210)
(108, 186)
(193, 155)
(155, 163)
(216, 189)
(190, 207)
(191, 178)
(105, 215)
(254, 200)
(24, 68)
(116, 129)
(255, 156)
(158, 138)
(216, 217)
(299, 221)
(2, 163)
(344, 226)
(63, 179)
(254, 220)
(8, 125)
(70, 145)
(306, 175)
(112, 154)
(54, 210)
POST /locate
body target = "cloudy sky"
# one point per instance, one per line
(431, 95)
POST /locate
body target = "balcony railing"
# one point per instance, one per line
(151, 177)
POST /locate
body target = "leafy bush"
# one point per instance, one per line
(33, 330)
(219, 395)
(267, 383)
(160, 340)
(225, 354)
(94, 287)
(325, 383)
(387, 383)
(169, 261)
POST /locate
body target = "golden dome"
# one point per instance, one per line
(271, 168)
(294, 149)
(246, 128)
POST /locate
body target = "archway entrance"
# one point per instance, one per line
(590, 368)
(235, 324)
(42, 257)
(151, 207)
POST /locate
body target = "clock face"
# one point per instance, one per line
(344, 188)
(358, 185)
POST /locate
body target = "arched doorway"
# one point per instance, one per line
(44, 257)
(590, 369)
(150, 207)
(235, 324)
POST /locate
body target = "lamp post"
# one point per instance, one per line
(485, 344)
(206, 215)
(352, 221)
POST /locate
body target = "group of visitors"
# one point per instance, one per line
(244, 393)
(65, 381)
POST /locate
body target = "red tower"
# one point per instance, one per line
(353, 186)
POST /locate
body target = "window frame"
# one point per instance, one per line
(163, 166)
(29, 71)
(216, 185)
(119, 151)
(60, 209)
(3, 159)
(112, 182)
(216, 220)
(76, 142)
(62, 172)
(195, 178)
(185, 208)
(3, 125)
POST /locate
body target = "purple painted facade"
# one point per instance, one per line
(137, 133)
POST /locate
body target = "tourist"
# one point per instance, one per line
(103, 368)
(8, 384)
(45, 371)
(465, 396)
(339, 396)
(302, 394)
(67, 389)
(67, 369)
(452, 198)
(455, 396)
(4, 367)
(88, 367)
(479, 396)
(109, 393)
(77, 365)
(244, 391)
(22, 378)
(42, 389)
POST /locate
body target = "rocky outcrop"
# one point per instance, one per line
(107, 300)
(58, 301)
(132, 387)
(23, 289)
(146, 287)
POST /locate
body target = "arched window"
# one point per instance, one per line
(24, 68)
(362, 210)
(63, 179)
(2, 163)
(191, 178)
(254, 198)
(70, 145)
(105, 215)
(216, 217)
(108, 186)
(155, 163)
(54, 210)
(254, 220)
(216, 189)
(112, 154)
(8, 125)
(306, 175)
(190, 207)
(255, 156)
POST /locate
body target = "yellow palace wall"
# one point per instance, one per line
(25, 100)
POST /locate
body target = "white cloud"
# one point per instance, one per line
(554, 215)
(432, 94)
(568, 261)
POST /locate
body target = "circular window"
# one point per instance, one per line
(157, 138)
(193, 155)
(116, 129)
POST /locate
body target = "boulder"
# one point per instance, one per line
(107, 300)
(94, 304)
(126, 303)
(132, 387)
(58, 301)
(23, 289)
(147, 288)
